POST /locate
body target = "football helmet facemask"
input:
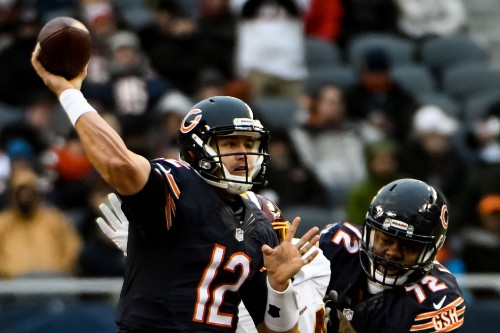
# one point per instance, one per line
(281, 228)
(408, 209)
(223, 116)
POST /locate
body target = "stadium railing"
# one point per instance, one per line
(49, 305)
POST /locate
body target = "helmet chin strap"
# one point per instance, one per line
(382, 279)
(229, 186)
(231, 183)
(233, 188)
(238, 186)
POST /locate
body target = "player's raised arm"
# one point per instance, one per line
(282, 264)
(126, 171)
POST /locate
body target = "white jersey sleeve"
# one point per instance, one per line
(310, 286)
(245, 322)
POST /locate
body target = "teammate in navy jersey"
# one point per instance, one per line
(386, 277)
(196, 247)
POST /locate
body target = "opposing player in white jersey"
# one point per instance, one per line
(310, 283)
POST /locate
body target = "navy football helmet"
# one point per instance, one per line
(223, 116)
(408, 209)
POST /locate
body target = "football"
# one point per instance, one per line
(64, 46)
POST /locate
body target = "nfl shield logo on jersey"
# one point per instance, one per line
(348, 313)
(239, 234)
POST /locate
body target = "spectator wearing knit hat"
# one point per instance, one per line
(378, 99)
(430, 154)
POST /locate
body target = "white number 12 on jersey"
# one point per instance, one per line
(212, 296)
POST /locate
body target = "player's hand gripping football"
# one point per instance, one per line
(285, 260)
(116, 224)
(57, 84)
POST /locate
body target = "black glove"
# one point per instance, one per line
(332, 317)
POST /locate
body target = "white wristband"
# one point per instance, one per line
(75, 104)
(282, 311)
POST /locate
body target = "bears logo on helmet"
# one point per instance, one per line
(192, 123)
(223, 116)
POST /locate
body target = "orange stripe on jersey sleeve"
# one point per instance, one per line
(171, 181)
(170, 209)
(173, 189)
(421, 327)
(173, 186)
(454, 326)
(431, 314)
(443, 320)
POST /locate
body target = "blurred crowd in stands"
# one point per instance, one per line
(355, 92)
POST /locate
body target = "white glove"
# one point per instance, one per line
(116, 224)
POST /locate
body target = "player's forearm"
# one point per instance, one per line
(126, 171)
(282, 311)
(277, 284)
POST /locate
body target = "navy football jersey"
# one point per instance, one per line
(434, 304)
(190, 260)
